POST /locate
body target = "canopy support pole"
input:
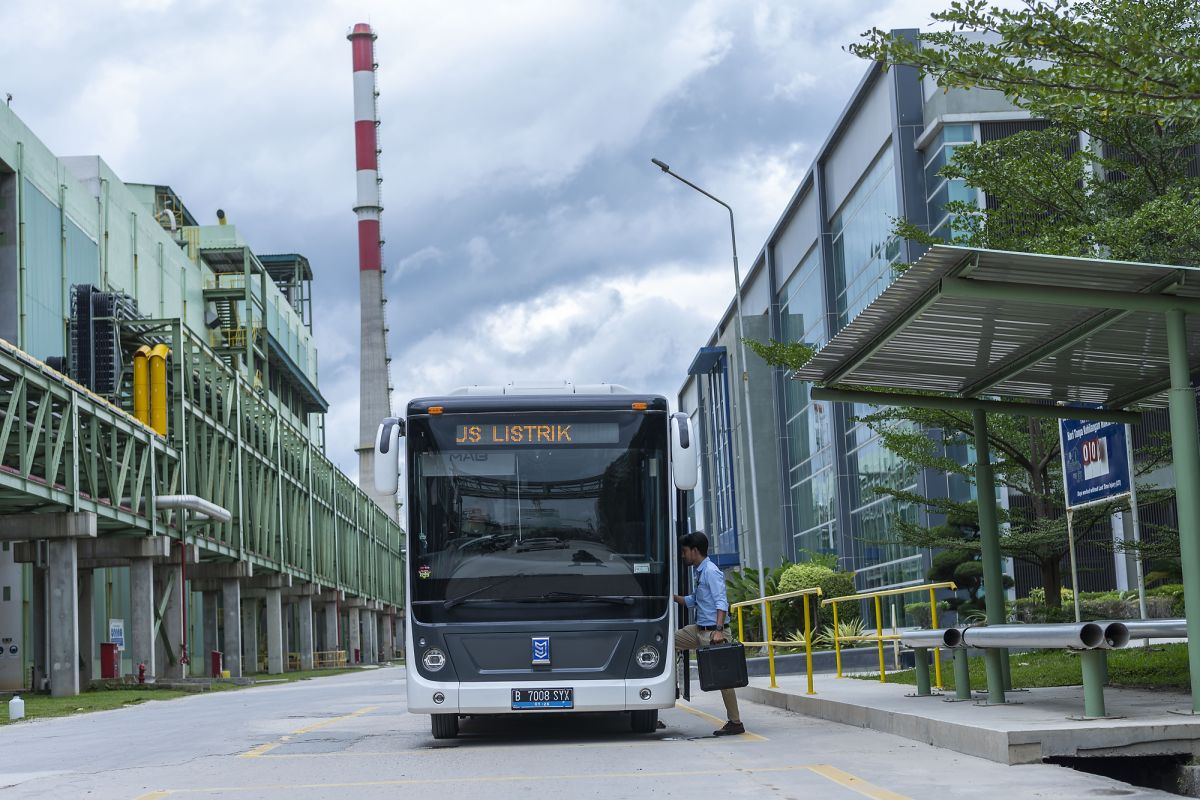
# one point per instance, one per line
(1185, 449)
(989, 540)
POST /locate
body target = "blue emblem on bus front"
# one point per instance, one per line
(541, 650)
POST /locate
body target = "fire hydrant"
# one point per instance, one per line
(142, 672)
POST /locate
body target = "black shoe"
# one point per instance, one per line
(730, 729)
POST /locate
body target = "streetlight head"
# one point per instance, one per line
(660, 165)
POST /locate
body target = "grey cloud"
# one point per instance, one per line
(522, 127)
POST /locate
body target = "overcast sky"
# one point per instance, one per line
(528, 235)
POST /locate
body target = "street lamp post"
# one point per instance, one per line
(741, 341)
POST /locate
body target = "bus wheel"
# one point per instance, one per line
(445, 726)
(644, 721)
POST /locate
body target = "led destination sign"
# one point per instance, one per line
(488, 434)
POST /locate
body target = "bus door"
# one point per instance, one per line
(684, 572)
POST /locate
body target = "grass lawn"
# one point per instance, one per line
(1160, 667)
(302, 675)
(39, 705)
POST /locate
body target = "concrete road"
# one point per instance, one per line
(350, 736)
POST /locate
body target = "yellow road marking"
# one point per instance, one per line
(855, 784)
(827, 771)
(483, 779)
(261, 749)
(747, 736)
(324, 722)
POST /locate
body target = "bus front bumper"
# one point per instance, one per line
(495, 697)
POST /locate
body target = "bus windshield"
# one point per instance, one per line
(541, 516)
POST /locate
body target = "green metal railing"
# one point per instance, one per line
(63, 446)
(293, 511)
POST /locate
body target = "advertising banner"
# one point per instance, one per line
(116, 633)
(1095, 461)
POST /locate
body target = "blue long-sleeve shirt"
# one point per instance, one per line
(708, 593)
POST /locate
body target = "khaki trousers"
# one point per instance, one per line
(690, 637)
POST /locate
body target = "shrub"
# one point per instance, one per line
(1038, 595)
(1107, 608)
(1170, 592)
(833, 584)
(918, 613)
(742, 584)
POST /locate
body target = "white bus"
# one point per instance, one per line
(540, 558)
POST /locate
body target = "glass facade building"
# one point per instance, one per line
(824, 477)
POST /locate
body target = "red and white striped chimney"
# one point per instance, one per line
(374, 381)
(366, 147)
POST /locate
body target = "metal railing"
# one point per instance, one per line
(879, 637)
(770, 644)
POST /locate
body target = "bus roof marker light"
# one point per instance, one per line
(436, 409)
(639, 406)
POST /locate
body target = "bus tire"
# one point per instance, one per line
(445, 726)
(644, 721)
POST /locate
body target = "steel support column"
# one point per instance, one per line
(275, 654)
(141, 614)
(306, 632)
(352, 622)
(209, 623)
(231, 608)
(87, 628)
(989, 540)
(250, 636)
(62, 577)
(1185, 450)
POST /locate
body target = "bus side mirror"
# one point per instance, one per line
(685, 452)
(387, 455)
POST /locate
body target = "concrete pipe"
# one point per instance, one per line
(1072, 636)
(947, 637)
(1153, 628)
(1116, 635)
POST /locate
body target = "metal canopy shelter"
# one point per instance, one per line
(964, 327)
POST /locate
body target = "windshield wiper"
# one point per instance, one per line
(451, 603)
(567, 597)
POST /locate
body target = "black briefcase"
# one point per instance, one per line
(722, 666)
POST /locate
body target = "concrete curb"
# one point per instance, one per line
(1025, 734)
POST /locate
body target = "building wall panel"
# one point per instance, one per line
(860, 142)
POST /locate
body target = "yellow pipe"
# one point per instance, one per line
(837, 642)
(879, 636)
(141, 385)
(158, 388)
(808, 644)
(937, 653)
(741, 630)
(770, 646)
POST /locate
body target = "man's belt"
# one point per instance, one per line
(711, 627)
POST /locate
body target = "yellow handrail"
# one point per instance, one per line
(770, 644)
(879, 636)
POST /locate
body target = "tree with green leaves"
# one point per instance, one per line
(1026, 462)
(1107, 59)
(1117, 84)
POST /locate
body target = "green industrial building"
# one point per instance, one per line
(114, 492)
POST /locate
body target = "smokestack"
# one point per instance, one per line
(374, 391)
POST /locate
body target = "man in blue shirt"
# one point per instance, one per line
(712, 607)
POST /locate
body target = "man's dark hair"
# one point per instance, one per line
(695, 539)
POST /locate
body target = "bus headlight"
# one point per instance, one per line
(435, 659)
(647, 656)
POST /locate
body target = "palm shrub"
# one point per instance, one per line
(846, 629)
(742, 585)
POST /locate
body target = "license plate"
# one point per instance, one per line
(525, 699)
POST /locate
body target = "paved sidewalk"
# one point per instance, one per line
(1037, 724)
